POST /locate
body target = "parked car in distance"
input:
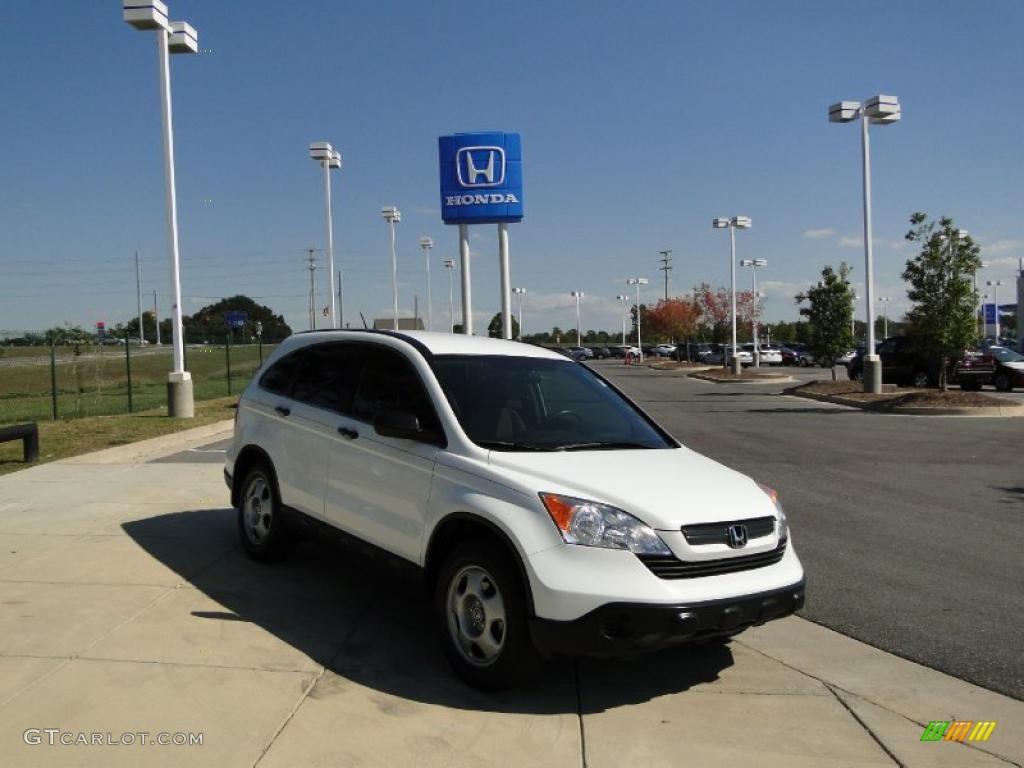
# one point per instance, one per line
(902, 363)
(622, 351)
(797, 354)
(999, 366)
(506, 475)
(744, 355)
(710, 354)
(665, 350)
(768, 354)
(583, 352)
(601, 352)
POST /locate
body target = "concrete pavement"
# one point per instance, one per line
(126, 606)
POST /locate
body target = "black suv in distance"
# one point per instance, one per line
(902, 363)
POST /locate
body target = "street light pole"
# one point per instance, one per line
(638, 281)
(881, 110)
(427, 245)
(521, 293)
(736, 222)
(392, 215)
(173, 37)
(754, 265)
(578, 295)
(329, 158)
(623, 299)
(994, 285)
(885, 316)
(449, 265)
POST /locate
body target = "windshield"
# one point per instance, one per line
(1004, 355)
(535, 404)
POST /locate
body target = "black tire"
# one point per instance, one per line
(1001, 381)
(921, 380)
(856, 374)
(970, 385)
(506, 657)
(264, 534)
(803, 362)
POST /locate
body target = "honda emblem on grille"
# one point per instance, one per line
(737, 536)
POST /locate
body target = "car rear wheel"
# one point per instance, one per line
(921, 380)
(856, 374)
(260, 525)
(1002, 382)
(480, 608)
(803, 362)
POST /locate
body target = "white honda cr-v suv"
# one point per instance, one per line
(506, 473)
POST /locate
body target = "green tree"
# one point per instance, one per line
(829, 311)
(209, 322)
(494, 327)
(942, 294)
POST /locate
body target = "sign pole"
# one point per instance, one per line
(506, 287)
(467, 289)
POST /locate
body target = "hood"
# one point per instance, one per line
(666, 488)
(1017, 366)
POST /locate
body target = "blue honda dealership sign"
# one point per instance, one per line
(481, 178)
(236, 319)
(990, 314)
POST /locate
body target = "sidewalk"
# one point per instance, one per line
(127, 607)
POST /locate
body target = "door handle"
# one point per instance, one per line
(351, 434)
(282, 410)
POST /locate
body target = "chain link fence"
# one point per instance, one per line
(69, 381)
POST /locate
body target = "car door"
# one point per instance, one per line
(321, 389)
(378, 487)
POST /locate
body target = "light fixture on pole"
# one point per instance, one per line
(428, 245)
(171, 37)
(994, 285)
(885, 315)
(638, 281)
(736, 222)
(623, 299)
(578, 295)
(449, 265)
(880, 110)
(392, 216)
(754, 265)
(521, 293)
(329, 158)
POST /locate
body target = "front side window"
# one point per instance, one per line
(279, 377)
(530, 404)
(326, 376)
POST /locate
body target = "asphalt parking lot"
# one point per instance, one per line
(910, 527)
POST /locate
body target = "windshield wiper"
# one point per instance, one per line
(607, 445)
(508, 445)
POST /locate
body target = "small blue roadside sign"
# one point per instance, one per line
(236, 319)
(481, 178)
(990, 314)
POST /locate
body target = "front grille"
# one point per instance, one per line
(718, 533)
(671, 567)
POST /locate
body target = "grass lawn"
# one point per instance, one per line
(60, 439)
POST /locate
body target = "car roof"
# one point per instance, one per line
(438, 343)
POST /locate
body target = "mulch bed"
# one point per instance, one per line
(904, 398)
(717, 374)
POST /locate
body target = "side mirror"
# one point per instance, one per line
(401, 424)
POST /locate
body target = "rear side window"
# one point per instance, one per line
(326, 376)
(278, 378)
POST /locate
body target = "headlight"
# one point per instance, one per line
(590, 524)
(772, 494)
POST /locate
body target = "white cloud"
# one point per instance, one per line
(782, 289)
(850, 241)
(999, 247)
(818, 234)
(846, 241)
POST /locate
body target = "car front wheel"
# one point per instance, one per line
(921, 380)
(480, 608)
(260, 525)
(1002, 382)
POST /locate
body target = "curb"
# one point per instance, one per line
(994, 411)
(781, 379)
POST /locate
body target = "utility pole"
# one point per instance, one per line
(138, 289)
(666, 267)
(312, 292)
(156, 315)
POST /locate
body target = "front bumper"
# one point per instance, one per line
(617, 629)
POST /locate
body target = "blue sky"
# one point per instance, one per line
(640, 123)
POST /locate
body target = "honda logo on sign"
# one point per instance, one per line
(474, 163)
